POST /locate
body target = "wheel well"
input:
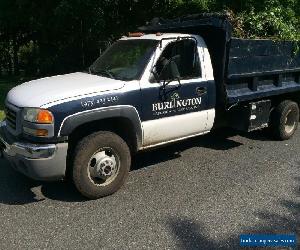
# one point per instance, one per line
(121, 126)
(295, 97)
(276, 100)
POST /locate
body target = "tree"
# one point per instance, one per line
(60, 36)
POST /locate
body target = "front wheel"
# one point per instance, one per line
(101, 164)
(284, 120)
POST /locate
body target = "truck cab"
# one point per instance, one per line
(176, 89)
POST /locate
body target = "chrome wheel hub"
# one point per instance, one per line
(106, 167)
(289, 122)
(103, 167)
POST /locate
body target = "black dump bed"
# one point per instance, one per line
(244, 69)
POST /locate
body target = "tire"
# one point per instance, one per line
(284, 120)
(101, 164)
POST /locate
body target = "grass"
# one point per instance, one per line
(2, 115)
(6, 84)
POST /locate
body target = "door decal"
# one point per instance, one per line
(176, 105)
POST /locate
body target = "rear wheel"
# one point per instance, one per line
(284, 120)
(101, 164)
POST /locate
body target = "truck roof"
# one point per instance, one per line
(156, 36)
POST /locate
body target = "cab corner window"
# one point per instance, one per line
(184, 54)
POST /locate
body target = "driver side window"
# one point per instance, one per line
(185, 54)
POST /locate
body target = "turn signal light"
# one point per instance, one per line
(36, 132)
(44, 116)
(41, 132)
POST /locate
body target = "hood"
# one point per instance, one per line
(51, 89)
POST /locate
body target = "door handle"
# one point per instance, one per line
(201, 91)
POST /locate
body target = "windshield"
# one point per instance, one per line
(125, 59)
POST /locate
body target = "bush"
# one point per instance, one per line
(272, 22)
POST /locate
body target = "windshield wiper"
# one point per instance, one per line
(91, 71)
(105, 72)
(102, 72)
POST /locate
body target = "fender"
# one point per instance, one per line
(70, 123)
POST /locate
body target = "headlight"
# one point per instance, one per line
(38, 122)
(36, 115)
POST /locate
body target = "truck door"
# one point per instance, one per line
(177, 108)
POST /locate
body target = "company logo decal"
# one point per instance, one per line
(176, 105)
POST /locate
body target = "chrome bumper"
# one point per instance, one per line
(38, 161)
(28, 150)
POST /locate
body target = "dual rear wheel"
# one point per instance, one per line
(284, 120)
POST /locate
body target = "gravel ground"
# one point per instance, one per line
(198, 194)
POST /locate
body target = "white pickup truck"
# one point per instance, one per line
(168, 82)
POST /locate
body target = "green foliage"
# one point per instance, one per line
(2, 115)
(59, 36)
(272, 21)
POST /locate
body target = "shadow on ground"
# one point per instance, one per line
(17, 189)
(217, 140)
(191, 234)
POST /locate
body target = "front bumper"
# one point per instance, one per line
(38, 161)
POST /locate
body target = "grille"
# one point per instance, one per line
(11, 118)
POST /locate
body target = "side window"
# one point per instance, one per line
(185, 54)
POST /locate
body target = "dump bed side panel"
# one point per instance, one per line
(261, 68)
